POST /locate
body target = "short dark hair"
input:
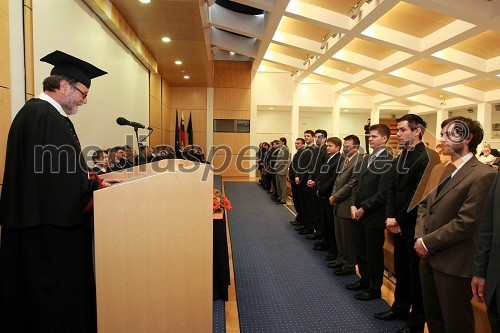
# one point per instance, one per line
(354, 139)
(382, 129)
(283, 139)
(301, 140)
(325, 134)
(336, 141)
(414, 122)
(309, 132)
(465, 128)
(53, 82)
(97, 155)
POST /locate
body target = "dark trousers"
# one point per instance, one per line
(370, 255)
(408, 289)
(326, 230)
(447, 301)
(296, 200)
(306, 207)
(493, 314)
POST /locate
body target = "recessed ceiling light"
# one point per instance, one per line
(178, 62)
(348, 68)
(166, 39)
(145, 1)
(271, 108)
(186, 77)
(346, 110)
(232, 53)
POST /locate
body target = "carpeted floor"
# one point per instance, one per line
(282, 285)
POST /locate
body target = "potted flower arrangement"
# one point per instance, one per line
(220, 203)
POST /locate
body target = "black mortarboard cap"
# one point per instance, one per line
(65, 64)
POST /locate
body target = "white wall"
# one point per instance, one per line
(353, 123)
(311, 120)
(70, 26)
(273, 124)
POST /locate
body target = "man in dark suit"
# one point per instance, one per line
(319, 158)
(409, 169)
(281, 166)
(341, 200)
(292, 171)
(306, 164)
(324, 184)
(486, 268)
(447, 224)
(370, 194)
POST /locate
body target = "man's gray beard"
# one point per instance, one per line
(72, 111)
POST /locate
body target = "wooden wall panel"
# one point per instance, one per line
(231, 114)
(231, 99)
(5, 121)
(155, 137)
(154, 112)
(237, 141)
(232, 74)
(5, 83)
(28, 52)
(232, 165)
(188, 98)
(4, 42)
(232, 95)
(155, 85)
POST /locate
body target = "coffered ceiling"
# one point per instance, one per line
(413, 53)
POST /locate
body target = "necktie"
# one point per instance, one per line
(346, 163)
(371, 159)
(446, 176)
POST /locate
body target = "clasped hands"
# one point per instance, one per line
(357, 214)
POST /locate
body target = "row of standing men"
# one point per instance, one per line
(347, 201)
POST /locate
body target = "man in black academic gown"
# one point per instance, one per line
(46, 271)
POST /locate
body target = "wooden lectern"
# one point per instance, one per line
(153, 249)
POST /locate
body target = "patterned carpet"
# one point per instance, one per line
(282, 285)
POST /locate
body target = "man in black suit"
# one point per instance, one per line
(370, 194)
(409, 169)
(324, 184)
(292, 171)
(301, 178)
(319, 158)
(486, 269)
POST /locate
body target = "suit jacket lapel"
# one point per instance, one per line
(457, 178)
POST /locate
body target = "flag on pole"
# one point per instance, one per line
(182, 133)
(190, 131)
(177, 143)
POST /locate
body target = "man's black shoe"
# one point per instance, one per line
(305, 232)
(388, 315)
(295, 223)
(312, 237)
(300, 227)
(407, 329)
(355, 286)
(280, 202)
(335, 264)
(320, 248)
(344, 272)
(368, 295)
(330, 257)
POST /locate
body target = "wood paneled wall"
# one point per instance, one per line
(232, 89)
(155, 93)
(5, 83)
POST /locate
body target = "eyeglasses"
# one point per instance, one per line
(81, 92)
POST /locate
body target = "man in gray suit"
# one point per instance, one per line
(447, 224)
(486, 268)
(341, 201)
(281, 166)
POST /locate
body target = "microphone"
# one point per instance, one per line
(124, 122)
